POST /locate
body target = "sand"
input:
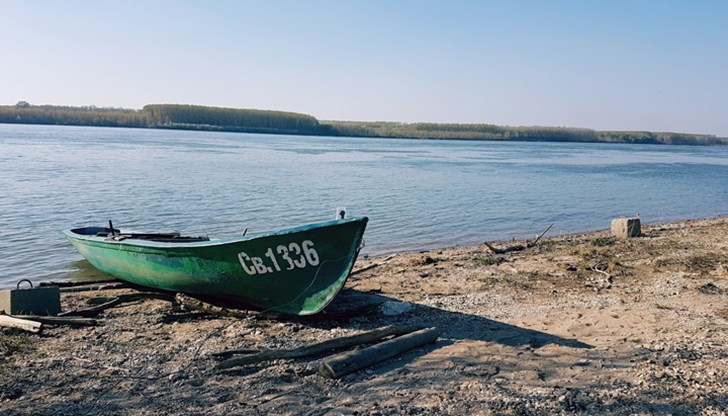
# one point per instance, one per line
(579, 324)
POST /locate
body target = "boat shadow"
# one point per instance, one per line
(358, 309)
(362, 311)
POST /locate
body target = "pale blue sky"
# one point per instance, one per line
(625, 65)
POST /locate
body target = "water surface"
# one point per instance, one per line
(417, 194)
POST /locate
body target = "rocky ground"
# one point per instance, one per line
(583, 324)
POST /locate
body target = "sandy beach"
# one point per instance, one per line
(577, 324)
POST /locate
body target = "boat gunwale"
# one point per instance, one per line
(72, 234)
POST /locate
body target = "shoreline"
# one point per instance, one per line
(275, 123)
(547, 236)
(579, 323)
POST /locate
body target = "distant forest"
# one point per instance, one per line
(169, 116)
(195, 117)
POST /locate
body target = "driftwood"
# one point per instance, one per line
(519, 247)
(228, 353)
(55, 320)
(371, 266)
(96, 286)
(23, 324)
(186, 303)
(346, 363)
(608, 279)
(94, 310)
(333, 344)
(363, 269)
(126, 298)
(66, 283)
(184, 316)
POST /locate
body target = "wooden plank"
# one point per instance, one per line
(336, 343)
(346, 363)
(186, 303)
(67, 283)
(23, 324)
(125, 298)
(101, 286)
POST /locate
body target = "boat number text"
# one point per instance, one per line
(285, 257)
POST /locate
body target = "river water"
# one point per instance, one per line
(417, 194)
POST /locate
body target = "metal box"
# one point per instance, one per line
(31, 301)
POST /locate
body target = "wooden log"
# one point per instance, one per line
(100, 286)
(125, 298)
(363, 269)
(373, 265)
(186, 303)
(508, 249)
(55, 320)
(99, 300)
(519, 247)
(346, 363)
(94, 310)
(23, 324)
(333, 344)
(184, 316)
(67, 283)
(529, 245)
(228, 353)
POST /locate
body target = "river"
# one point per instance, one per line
(418, 194)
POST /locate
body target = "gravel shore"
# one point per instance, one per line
(579, 324)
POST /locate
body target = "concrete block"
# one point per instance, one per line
(626, 227)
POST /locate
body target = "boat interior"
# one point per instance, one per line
(161, 237)
(111, 233)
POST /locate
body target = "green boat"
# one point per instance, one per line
(294, 271)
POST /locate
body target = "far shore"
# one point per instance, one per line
(204, 118)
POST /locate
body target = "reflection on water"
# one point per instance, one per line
(83, 271)
(418, 194)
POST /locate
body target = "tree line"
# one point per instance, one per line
(195, 117)
(229, 119)
(171, 116)
(443, 131)
(24, 113)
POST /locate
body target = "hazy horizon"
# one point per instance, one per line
(659, 66)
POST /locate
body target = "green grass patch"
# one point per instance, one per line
(604, 241)
(12, 342)
(490, 260)
(704, 261)
(489, 281)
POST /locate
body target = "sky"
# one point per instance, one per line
(657, 65)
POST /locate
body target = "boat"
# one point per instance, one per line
(295, 271)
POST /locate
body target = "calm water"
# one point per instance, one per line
(418, 194)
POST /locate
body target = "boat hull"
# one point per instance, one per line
(295, 271)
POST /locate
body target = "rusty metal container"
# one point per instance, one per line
(30, 301)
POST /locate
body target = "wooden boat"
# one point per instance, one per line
(294, 271)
